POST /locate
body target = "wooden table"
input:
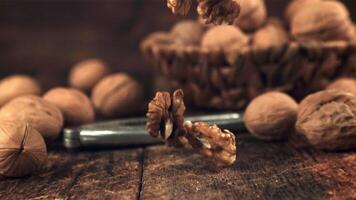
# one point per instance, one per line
(262, 171)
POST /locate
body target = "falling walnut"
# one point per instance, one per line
(211, 11)
(166, 121)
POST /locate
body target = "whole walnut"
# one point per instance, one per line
(271, 35)
(187, 32)
(271, 116)
(75, 106)
(322, 21)
(327, 119)
(294, 6)
(23, 150)
(253, 14)
(343, 84)
(40, 114)
(17, 85)
(117, 95)
(85, 74)
(222, 38)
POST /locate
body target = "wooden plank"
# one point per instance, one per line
(263, 171)
(81, 175)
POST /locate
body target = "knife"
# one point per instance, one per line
(132, 131)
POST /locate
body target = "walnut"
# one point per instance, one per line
(40, 114)
(343, 84)
(187, 32)
(322, 21)
(295, 6)
(253, 14)
(17, 85)
(218, 11)
(75, 106)
(23, 150)
(181, 7)
(117, 95)
(271, 35)
(85, 74)
(212, 142)
(165, 117)
(271, 116)
(222, 38)
(327, 119)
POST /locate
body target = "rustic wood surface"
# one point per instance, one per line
(263, 171)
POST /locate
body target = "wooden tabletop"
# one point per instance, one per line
(263, 171)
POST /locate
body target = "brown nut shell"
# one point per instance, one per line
(343, 84)
(295, 6)
(223, 37)
(22, 149)
(271, 116)
(17, 85)
(117, 95)
(187, 32)
(253, 14)
(271, 35)
(327, 119)
(40, 114)
(85, 74)
(322, 21)
(75, 106)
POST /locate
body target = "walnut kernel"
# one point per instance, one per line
(218, 11)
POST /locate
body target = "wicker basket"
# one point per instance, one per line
(230, 80)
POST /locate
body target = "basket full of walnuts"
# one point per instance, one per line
(225, 66)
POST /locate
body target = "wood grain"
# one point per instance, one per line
(262, 171)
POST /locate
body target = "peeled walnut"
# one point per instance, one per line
(75, 106)
(253, 14)
(165, 117)
(181, 7)
(328, 120)
(187, 32)
(212, 142)
(271, 116)
(218, 11)
(294, 6)
(344, 84)
(85, 74)
(40, 114)
(322, 21)
(222, 38)
(17, 85)
(23, 150)
(117, 95)
(271, 35)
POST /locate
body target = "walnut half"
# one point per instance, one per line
(212, 142)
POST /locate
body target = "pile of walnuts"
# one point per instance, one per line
(29, 122)
(326, 119)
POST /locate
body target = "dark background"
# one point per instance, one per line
(44, 38)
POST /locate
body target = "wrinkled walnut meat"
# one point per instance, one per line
(218, 11)
(212, 142)
(166, 120)
(165, 117)
(211, 11)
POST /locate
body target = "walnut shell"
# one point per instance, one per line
(117, 95)
(75, 106)
(322, 21)
(40, 114)
(271, 35)
(271, 116)
(295, 6)
(343, 84)
(23, 150)
(187, 32)
(222, 38)
(253, 14)
(327, 119)
(17, 85)
(85, 74)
